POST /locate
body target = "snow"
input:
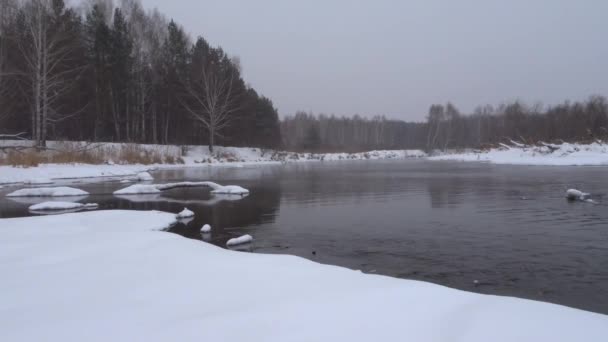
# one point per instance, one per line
(52, 206)
(139, 189)
(48, 192)
(144, 177)
(566, 154)
(52, 172)
(230, 190)
(576, 195)
(194, 156)
(185, 214)
(240, 240)
(206, 229)
(38, 181)
(106, 276)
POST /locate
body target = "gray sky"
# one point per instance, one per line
(398, 57)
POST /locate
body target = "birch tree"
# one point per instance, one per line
(45, 48)
(4, 76)
(213, 93)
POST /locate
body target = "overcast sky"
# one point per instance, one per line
(397, 57)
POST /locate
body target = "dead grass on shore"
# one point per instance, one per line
(95, 154)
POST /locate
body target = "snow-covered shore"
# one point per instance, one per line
(595, 154)
(188, 156)
(109, 276)
(198, 156)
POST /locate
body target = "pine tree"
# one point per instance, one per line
(120, 64)
(98, 39)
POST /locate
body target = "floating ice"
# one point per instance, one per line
(576, 195)
(240, 240)
(48, 192)
(138, 189)
(230, 190)
(51, 206)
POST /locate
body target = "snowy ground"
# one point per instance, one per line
(199, 156)
(595, 154)
(191, 156)
(108, 276)
(50, 172)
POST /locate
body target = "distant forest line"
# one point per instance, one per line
(101, 72)
(447, 128)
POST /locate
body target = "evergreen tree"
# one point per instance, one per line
(120, 65)
(98, 39)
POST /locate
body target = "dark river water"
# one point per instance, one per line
(505, 230)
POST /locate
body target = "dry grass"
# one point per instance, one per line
(97, 154)
(21, 159)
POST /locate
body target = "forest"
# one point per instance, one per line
(121, 74)
(447, 128)
(105, 73)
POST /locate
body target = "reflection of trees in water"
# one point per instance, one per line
(321, 184)
(10, 209)
(445, 192)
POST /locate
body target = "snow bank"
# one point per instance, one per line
(38, 181)
(193, 156)
(48, 192)
(547, 154)
(139, 189)
(55, 206)
(107, 277)
(240, 240)
(52, 172)
(185, 214)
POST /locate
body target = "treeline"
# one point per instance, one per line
(446, 128)
(309, 132)
(106, 73)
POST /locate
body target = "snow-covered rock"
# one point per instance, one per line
(73, 268)
(144, 177)
(62, 206)
(185, 214)
(48, 192)
(239, 241)
(206, 229)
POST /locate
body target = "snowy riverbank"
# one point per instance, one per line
(109, 276)
(199, 156)
(180, 156)
(595, 154)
